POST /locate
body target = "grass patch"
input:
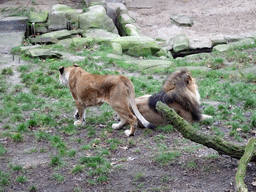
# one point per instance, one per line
(165, 158)
(58, 177)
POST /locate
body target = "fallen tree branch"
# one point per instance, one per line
(211, 141)
(249, 151)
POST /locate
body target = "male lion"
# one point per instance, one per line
(90, 89)
(179, 92)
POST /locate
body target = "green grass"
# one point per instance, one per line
(56, 161)
(164, 158)
(2, 150)
(58, 177)
(4, 178)
(44, 115)
(7, 71)
(21, 179)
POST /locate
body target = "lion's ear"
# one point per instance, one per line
(189, 79)
(76, 65)
(61, 69)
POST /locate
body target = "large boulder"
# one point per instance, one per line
(180, 43)
(61, 16)
(96, 17)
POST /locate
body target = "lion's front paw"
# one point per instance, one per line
(116, 126)
(128, 133)
(78, 122)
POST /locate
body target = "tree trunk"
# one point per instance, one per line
(211, 141)
(249, 151)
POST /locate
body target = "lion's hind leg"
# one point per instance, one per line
(80, 115)
(126, 117)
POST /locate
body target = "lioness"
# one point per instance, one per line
(179, 92)
(90, 89)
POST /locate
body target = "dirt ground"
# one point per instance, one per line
(227, 17)
(153, 17)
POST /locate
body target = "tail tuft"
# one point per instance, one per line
(150, 126)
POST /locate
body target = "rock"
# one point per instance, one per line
(75, 42)
(122, 21)
(43, 53)
(182, 20)
(9, 40)
(120, 57)
(200, 43)
(233, 38)
(131, 30)
(190, 68)
(39, 39)
(51, 37)
(180, 43)
(247, 41)
(41, 28)
(60, 16)
(222, 48)
(162, 52)
(112, 10)
(70, 57)
(98, 2)
(38, 17)
(132, 41)
(217, 39)
(140, 50)
(100, 35)
(97, 18)
(117, 48)
(25, 48)
(11, 24)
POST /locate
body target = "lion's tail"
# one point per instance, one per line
(143, 121)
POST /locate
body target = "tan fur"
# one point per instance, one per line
(116, 90)
(179, 92)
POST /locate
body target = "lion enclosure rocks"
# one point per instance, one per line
(109, 21)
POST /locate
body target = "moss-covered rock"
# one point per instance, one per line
(96, 17)
(128, 42)
(117, 48)
(38, 17)
(100, 35)
(180, 43)
(60, 16)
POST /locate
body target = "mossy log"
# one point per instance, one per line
(249, 151)
(211, 141)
